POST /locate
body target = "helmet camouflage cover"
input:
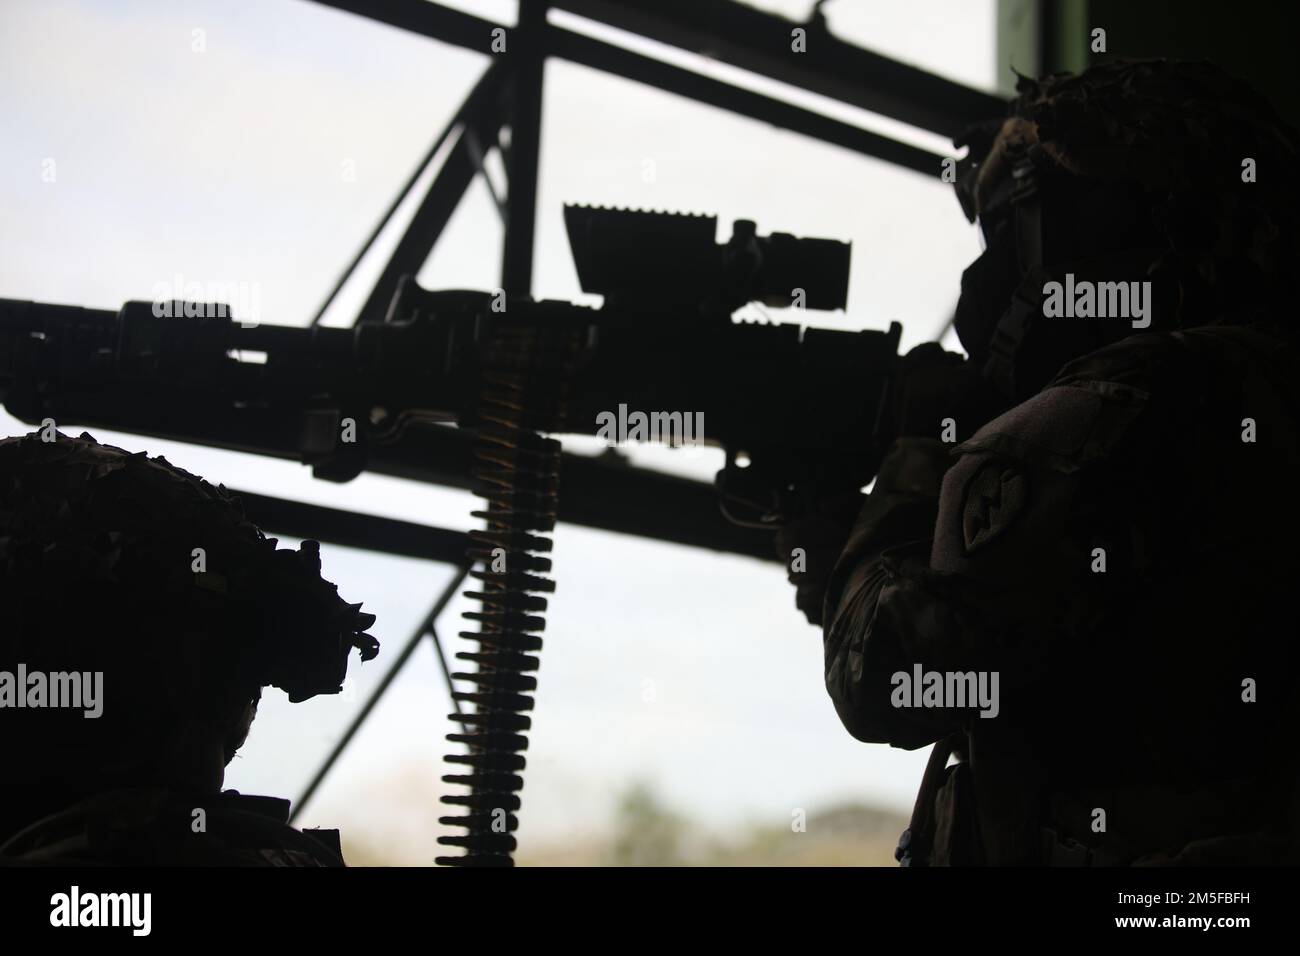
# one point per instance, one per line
(1180, 130)
(117, 561)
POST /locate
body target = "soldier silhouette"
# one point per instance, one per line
(1115, 535)
(127, 571)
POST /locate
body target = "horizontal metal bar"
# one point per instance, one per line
(351, 529)
(427, 19)
(745, 37)
(704, 89)
(474, 33)
(599, 492)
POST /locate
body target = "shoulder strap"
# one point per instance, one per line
(917, 841)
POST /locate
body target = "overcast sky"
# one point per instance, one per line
(260, 150)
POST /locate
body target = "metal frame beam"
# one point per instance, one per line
(480, 116)
(428, 626)
(597, 55)
(737, 34)
(353, 530)
(487, 83)
(525, 149)
(733, 32)
(760, 42)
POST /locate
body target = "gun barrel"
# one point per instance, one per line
(793, 408)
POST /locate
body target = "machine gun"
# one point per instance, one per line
(801, 413)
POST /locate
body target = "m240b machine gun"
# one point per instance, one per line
(801, 413)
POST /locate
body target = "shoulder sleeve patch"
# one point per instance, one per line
(994, 496)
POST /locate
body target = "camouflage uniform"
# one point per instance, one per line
(159, 827)
(1121, 690)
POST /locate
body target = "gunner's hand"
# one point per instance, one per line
(810, 546)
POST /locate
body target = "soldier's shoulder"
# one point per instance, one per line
(147, 827)
(1158, 361)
